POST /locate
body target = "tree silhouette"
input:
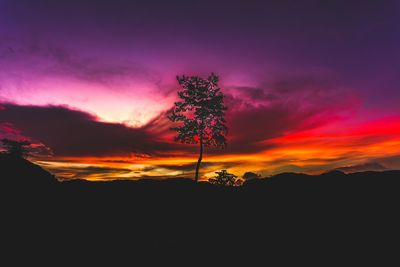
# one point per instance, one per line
(202, 111)
(17, 149)
(223, 178)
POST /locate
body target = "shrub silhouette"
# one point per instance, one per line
(18, 149)
(223, 178)
(202, 113)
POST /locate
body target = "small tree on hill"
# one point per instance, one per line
(223, 178)
(19, 149)
(201, 112)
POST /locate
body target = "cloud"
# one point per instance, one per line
(54, 60)
(94, 172)
(191, 166)
(36, 148)
(37, 73)
(7, 130)
(392, 162)
(76, 133)
(286, 106)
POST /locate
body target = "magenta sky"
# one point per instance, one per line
(108, 68)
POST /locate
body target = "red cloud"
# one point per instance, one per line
(257, 114)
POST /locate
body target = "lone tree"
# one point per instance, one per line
(17, 149)
(201, 113)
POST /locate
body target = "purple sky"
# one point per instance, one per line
(354, 43)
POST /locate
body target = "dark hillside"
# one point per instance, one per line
(329, 218)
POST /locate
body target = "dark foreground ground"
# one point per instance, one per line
(291, 219)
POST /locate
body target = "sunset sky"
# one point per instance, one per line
(310, 86)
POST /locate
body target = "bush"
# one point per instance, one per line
(223, 178)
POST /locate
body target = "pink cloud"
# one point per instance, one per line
(114, 90)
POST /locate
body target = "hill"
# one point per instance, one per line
(16, 171)
(289, 218)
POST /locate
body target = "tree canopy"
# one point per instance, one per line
(223, 178)
(201, 110)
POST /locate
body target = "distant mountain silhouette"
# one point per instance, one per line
(372, 166)
(288, 218)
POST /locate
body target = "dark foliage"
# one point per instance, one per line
(201, 111)
(223, 178)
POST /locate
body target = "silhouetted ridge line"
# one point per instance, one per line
(309, 217)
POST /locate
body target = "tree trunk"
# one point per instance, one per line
(196, 178)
